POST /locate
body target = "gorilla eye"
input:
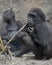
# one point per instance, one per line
(32, 15)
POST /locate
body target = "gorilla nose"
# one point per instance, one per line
(30, 24)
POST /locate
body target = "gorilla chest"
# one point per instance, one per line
(41, 29)
(12, 29)
(42, 33)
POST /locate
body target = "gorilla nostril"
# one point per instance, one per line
(30, 19)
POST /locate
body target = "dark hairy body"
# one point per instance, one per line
(12, 26)
(42, 34)
(39, 32)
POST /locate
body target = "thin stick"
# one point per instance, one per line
(16, 33)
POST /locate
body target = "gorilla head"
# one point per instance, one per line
(8, 16)
(36, 16)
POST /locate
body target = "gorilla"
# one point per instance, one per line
(12, 26)
(41, 34)
(36, 21)
(38, 35)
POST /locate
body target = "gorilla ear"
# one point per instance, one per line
(43, 18)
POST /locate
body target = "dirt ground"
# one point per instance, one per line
(24, 60)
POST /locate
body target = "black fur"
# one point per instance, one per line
(40, 37)
(12, 26)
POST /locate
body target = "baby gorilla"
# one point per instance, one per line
(12, 26)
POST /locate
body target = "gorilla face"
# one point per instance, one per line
(8, 16)
(31, 22)
(35, 16)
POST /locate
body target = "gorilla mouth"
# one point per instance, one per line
(30, 29)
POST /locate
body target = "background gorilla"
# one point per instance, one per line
(12, 26)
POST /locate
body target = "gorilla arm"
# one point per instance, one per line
(5, 36)
(42, 34)
(27, 44)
